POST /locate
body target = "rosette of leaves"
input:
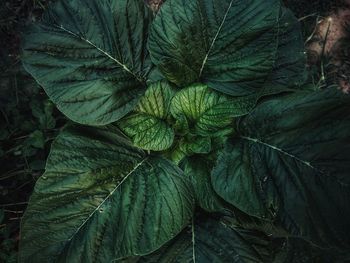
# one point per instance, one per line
(200, 142)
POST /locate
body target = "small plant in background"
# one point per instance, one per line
(28, 124)
(197, 137)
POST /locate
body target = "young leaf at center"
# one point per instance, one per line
(148, 126)
(205, 111)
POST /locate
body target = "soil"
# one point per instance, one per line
(154, 4)
(331, 40)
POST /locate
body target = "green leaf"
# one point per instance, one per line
(156, 101)
(102, 199)
(90, 57)
(35, 139)
(297, 250)
(290, 166)
(289, 67)
(154, 76)
(148, 127)
(228, 44)
(37, 165)
(148, 132)
(48, 121)
(189, 146)
(198, 171)
(43, 112)
(207, 111)
(210, 240)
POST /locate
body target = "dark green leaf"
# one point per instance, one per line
(208, 240)
(102, 199)
(90, 57)
(43, 112)
(297, 250)
(198, 170)
(37, 165)
(289, 67)
(155, 75)
(291, 166)
(228, 44)
(35, 139)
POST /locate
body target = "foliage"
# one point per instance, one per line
(197, 137)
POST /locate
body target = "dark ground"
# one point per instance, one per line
(29, 121)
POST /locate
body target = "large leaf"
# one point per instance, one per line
(206, 111)
(289, 67)
(101, 199)
(90, 57)
(148, 127)
(198, 170)
(210, 240)
(228, 44)
(291, 166)
(297, 250)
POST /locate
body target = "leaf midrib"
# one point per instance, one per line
(193, 240)
(306, 163)
(123, 66)
(107, 197)
(296, 158)
(214, 39)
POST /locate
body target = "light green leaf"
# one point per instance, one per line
(156, 101)
(208, 111)
(148, 127)
(148, 132)
(209, 240)
(228, 44)
(90, 57)
(291, 166)
(102, 199)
